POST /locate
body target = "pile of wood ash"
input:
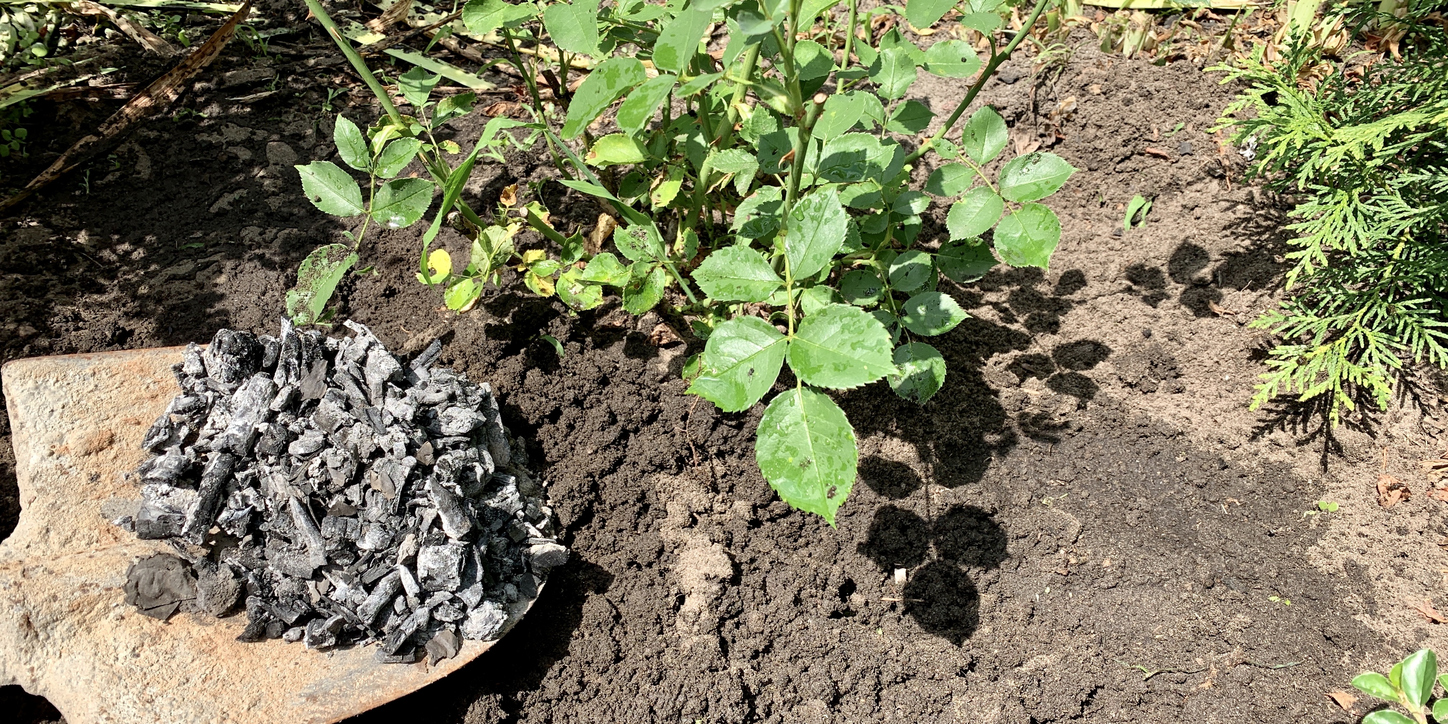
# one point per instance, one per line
(342, 496)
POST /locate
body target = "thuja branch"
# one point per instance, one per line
(996, 59)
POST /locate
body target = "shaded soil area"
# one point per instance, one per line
(1091, 526)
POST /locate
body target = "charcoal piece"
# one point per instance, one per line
(322, 633)
(544, 557)
(232, 356)
(380, 368)
(161, 434)
(458, 421)
(250, 407)
(287, 610)
(410, 656)
(472, 595)
(445, 644)
(192, 362)
(330, 416)
(313, 384)
(308, 444)
(208, 495)
(236, 517)
(401, 634)
(427, 356)
(375, 536)
(380, 598)
(167, 468)
(373, 417)
(218, 589)
(424, 454)
(484, 622)
(302, 519)
(498, 448)
(439, 568)
(407, 549)
(455, 520)
(258, 628)
(186, 405)
(160, 585)
(294, 634)
(296, 563)
(341, 528)
(448, 612)
(285, 397)
(273, 440)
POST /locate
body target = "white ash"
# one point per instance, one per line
(341, 496)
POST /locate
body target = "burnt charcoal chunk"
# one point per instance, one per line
(429, 355)
(439, 568)
(218, 472)
(160, 585)
(218, 589)
(455, 521)
(250, 407)
(544, 557)
(443, 645)
(321, 634)
(484, 622)
(313, 384)
(308, 444)
(232, 356)
(162, 434)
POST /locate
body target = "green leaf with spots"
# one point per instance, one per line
(331, 189)
(951, 59)
(679, 39)
(931, 313)
(639, 243)
(840, 113)
(1034, 176)
(351, 146)
(737, 274)
(806, 450)
(645, 289)
(317, 279)
(607, 83)
(974, 214)
(862, 288)
(894, 72)
(615, 149)
(644, 101)
(966, 261)
(396, 155)
(816, 298)
(578, 293)
(482, 17)
(922, 372)
(741, 361)
(909, 118)
(1028, 236)
(573, 26)
(814, 231)
(605, 268)
(984, 135)
(910, 270)
(840, 347)
(400, 203)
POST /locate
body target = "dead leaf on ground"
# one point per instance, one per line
(1426, 610)
(505, 109)
(389, 17)
(664, 336)
(1024, 141)
(1392, 491)
(1438, 494)
(602, 232)
(1156, 152)
(509, 197)
(1342, 699)
(1218, 310)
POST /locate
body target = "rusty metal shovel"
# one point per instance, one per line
(66, 632)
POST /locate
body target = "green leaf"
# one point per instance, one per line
(573, 26)
(910, 270)
(816, 298)
(841, 112)
(862, 287)
(1440, 710)
(1139, 206)
(910, 203)
(931, 313)
(812, 61)
(814, 231)
(452, 107)
(396, 155)
(965, 262)
(758, 215)
(840, 347)
(416, 85)
(863, 195)
(351, 146)
(741, 361)
(737, 274)
(984, 22)
(922, 372)
(895, 73)
(806, 450)
(1027, 237)
(853, 157)
(698, 83)
(577, 293)
(645, 289)
(1375, 684)
(605, 268)
(952, 179)
(738, 162)
(1386, 716)
(639, 108)
(614, 149)
(925, 13)
(400, 203)
(951, 59)
(317, 279)
(639, 243)
(461, 293)
(909, 118)
(974, 214)
(482, 17)
(609, 81)
(330, 189)
(984, 135)
(679, 40)
(1034, 176)
(1419, 671)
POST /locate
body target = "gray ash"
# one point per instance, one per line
(340, 496)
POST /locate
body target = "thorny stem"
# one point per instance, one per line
(358, 64)
(849, 39)
(996, 59)
(801, 146)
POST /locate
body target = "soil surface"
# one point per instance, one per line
(1092, 525)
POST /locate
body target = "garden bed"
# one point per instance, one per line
(1093, 526)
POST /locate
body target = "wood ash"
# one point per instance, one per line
(340, 496)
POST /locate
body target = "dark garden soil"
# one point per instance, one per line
(1093, 526)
